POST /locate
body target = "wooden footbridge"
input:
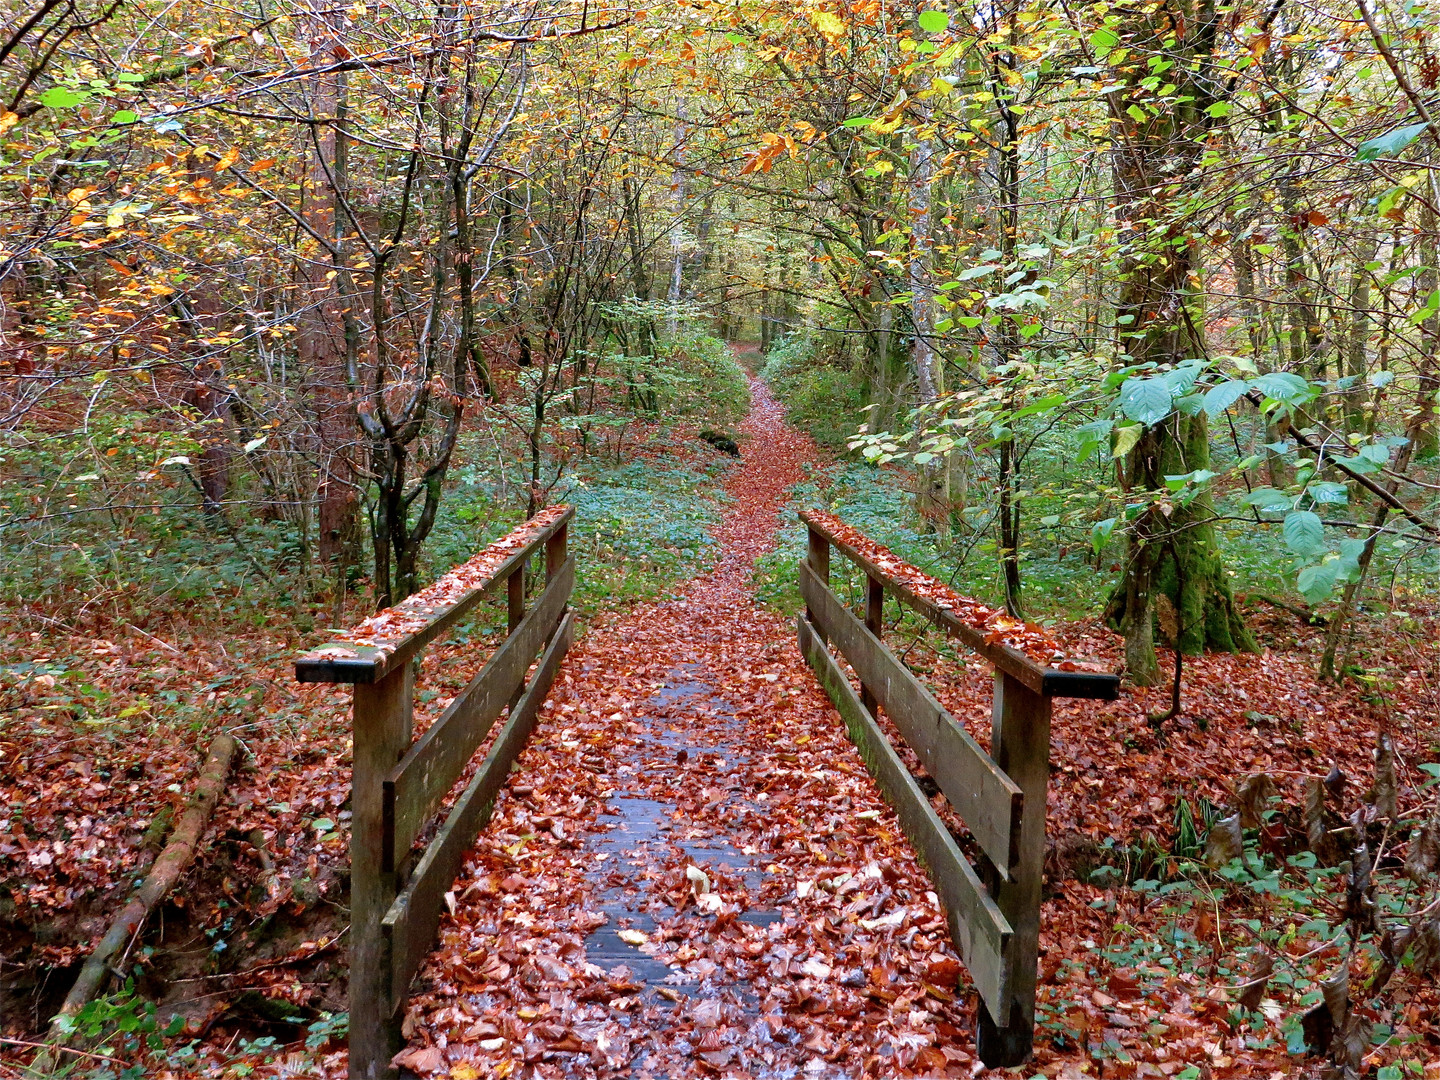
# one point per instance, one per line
(398, 888)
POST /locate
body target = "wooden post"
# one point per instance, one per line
(556, 552)
(1020, 745)
(818, 556)
(515, 586)
(382, 731)
(875, 623)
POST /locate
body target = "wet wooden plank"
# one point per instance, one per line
(989, 801)
(344, 662)
(410, 924)
(1051, 682)
(978, 930)
(414, 788)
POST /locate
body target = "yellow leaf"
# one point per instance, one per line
(829, 24)
(7, 121)
(263, 164)
(231, 156)
(463, 1070)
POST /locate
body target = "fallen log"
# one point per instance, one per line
(164, 873)
(1308, 616)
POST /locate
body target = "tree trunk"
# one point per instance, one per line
(1356, 367)
(1154, 162)
(932, 498)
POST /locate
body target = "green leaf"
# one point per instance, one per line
(1147, 401)
(1092, 435)
(125, 116)
(1220, 108)
(1221, 397)
(1181, 379)
(1103, 40)
(60, 97)
(1045, 404)
(1357, 464)
(1315, 583)
(1284, 386)
(1304, 533)
(934, 22)
(1100, 532)
(1376, 453)
(1381, 379)
(1389, 144)
(972, 272)
(1190, 404)
(1199, 478)
(1136, 113)
(858, 121)
(1328, 493)
(734, 38)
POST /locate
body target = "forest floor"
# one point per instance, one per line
(692, 873)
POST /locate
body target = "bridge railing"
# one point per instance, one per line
(993, 912)
(399, 783)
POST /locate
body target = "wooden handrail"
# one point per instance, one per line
(1045, 679)
(429, 769)
(989, 803)
(387, 640)
(398, 784)
(993, 909)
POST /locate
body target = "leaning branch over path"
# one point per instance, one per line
(165, 872)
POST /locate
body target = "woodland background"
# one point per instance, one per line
(1116, 314)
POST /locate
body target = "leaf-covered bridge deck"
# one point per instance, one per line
(691, 869)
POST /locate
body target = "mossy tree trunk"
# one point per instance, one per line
(1176, 556)
(1171, 549)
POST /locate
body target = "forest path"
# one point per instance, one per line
(691, 873)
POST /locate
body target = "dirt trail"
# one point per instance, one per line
(691, 873)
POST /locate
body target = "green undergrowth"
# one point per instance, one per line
(822, 394)
(1059, 584)
(640, 527)
(1063, 576)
